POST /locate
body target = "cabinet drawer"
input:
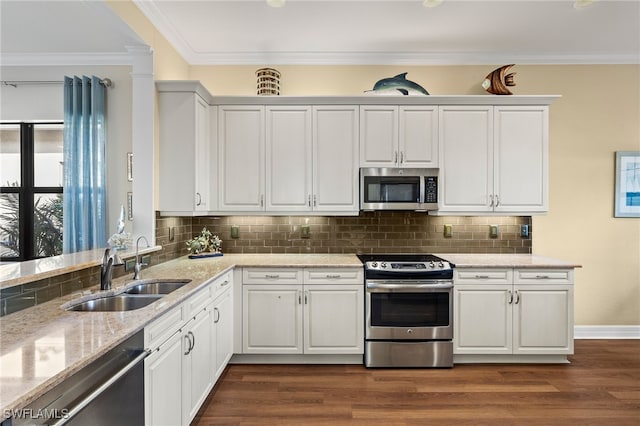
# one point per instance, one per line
(195, 303)
(271, 276)
(160, 330)
(221, 283)
(479, 276)
(333, 276)
(543, 276)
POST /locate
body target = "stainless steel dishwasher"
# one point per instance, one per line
(109, 391)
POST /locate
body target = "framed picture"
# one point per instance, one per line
(130, 166)
(627, 197)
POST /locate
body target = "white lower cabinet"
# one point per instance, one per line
(293, 317)
(191, 345)
(505, 312)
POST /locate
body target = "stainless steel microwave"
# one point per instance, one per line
(398, 189)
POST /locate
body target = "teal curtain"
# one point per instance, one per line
(85, 205)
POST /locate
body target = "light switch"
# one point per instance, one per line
(447, 230)
(524, 231)
(493, 231)
(305, 232)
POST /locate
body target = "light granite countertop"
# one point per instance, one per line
(42, 346)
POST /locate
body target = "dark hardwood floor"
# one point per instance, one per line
(600, 386)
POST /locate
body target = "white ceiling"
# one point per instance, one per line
(337, 31)
(398, 31)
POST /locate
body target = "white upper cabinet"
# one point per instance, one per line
(241, 158)
(335, 159)
(494, 159)
(521, 150)
(398, 136)
(289, 157)
(185, 154)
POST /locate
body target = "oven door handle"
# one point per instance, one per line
(386, 287)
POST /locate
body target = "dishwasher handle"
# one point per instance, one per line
(93, 395)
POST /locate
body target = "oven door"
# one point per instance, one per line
(409, 310)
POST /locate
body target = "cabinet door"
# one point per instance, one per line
(202, 160)
(466, 158)
(379, 136)
(521, 144)
(223, 331)
(241, 158)
(163, 384)
(418, 137)
(543, 319)
(335, 159)
(288, 150)
(334, 319)
(197, 370)
(272, 319)
(482, 323)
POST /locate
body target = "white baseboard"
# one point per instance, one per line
(606, 332)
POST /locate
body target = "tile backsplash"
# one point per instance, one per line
(370, 232)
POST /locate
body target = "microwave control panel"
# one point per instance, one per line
(431, 189)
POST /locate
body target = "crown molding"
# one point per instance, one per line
(48, 59)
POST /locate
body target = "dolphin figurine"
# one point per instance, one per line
(398, 83)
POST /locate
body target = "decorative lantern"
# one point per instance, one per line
(268, 81)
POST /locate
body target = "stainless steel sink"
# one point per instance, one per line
(160, 286)
(121, 302)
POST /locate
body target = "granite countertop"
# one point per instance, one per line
(505, 261)
(42, 346)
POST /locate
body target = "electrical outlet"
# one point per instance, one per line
(235, 231)
(447, 231)
(129, 264)
(493, 231)
(146, 260)
(524, 231)
(305, 232)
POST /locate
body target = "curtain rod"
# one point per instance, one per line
(106, 82)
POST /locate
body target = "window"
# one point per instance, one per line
(31, 179)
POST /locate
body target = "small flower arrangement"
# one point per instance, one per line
(119, 240)
(205, 242)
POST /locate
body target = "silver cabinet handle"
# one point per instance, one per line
(216, 311)
(315, 200)
(306, 295)
(188, 339)
(103, 387)
(517, 297)
(542, 277)
(510, 297)
(401, 157)
(299, 298)
(272, 276)
(193, 337)
(336, 276)
(262, 200)
(198, 199)
(482, 277)
(497, 201)
(309, 200)
(491, 200)
(225, 283)
(395, 157)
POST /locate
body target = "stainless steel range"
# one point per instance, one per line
(408, 311)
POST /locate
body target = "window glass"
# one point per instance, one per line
(10, 155)
(47, 225)
(9, 225)
(47, 166)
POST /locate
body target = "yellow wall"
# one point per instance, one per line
(597, 115)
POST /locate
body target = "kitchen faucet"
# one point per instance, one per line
(106, 269)
(138, 266)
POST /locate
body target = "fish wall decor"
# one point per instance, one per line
(497, 81)
(398, 84)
